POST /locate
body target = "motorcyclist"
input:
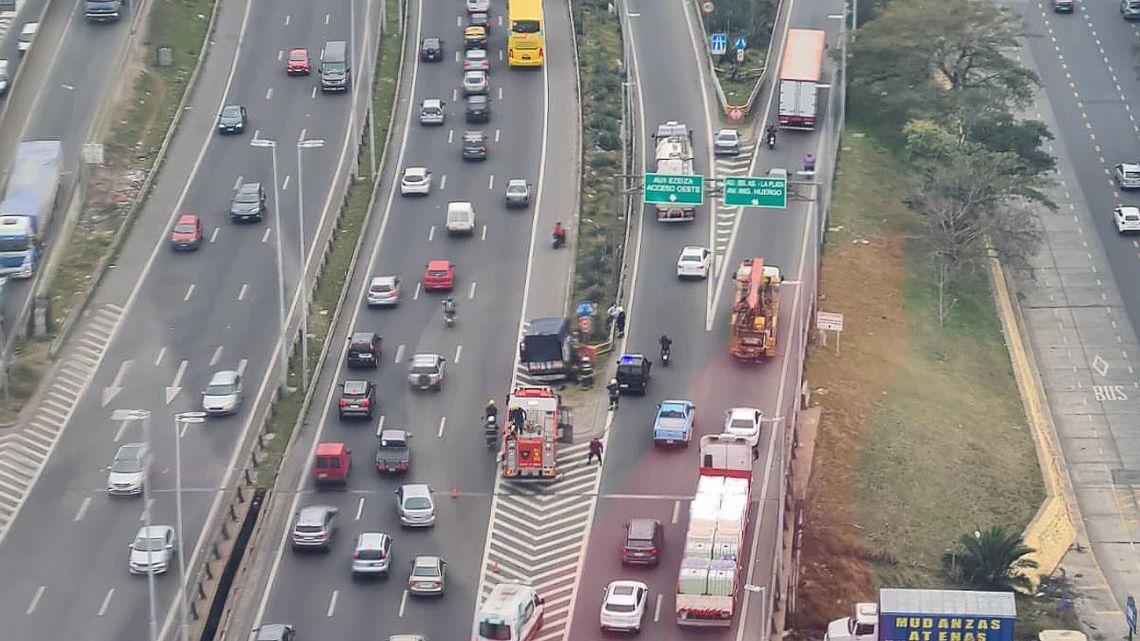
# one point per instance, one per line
(666, 343)
(491, 410)
(771, 135)
(559, 233)
(449, 307)
(809, 162)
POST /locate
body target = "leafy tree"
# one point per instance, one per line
(991, 560)
(752, 19)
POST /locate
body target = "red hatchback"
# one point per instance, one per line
(187, 233)
(298, 63)
(439, 275)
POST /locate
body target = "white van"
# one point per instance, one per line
(511, 612)
(460, 217)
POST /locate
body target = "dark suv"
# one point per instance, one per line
(248, 203)
(357, 399)
(363, 350)
(474, 145)
(643, 539)
(633, 373)
(431, 50)
(478, 109)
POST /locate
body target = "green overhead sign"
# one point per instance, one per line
(669, 189)
(754, 191)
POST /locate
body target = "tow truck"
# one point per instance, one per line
(755, 309)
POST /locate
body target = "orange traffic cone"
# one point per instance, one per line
(454, 491)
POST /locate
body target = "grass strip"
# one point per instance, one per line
(923, 436)
(601, 228)
(112, 189)
(337, 273)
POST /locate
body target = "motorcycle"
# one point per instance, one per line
(490, 430)
(557, 241)
(449, 317)
(771, 141)
(665, 356)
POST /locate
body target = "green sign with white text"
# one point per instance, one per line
(668, 189)
(754, 191)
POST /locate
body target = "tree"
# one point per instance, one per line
(991, 560)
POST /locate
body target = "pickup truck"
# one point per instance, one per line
(393, 454)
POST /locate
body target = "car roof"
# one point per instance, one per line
(728, 132)
(623, 591)
(362, 337)
(231, 108)
(692, 249)
(371, 540)
(130, 449)
(415, 171)
(475, 53)
(476, 98)
(475, 29)
(416, 489)
(393, 435)
(1133, 166)
(439, 264)
(384, 280)
(272, 630)
(432, 40)
(188, 218)
(356, 387)
(313, 513)
(153, 531)
(426, 560)
(298, 50)
(516, 182)
(632, 358)
(223, 377)
(426, 359)
(746, 412)
(433, 102)
(1129, 210)
(470, 73)
(250, 187)
(474, 135)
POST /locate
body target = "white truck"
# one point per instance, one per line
(674, 157)
(800, 70)
(712, 567)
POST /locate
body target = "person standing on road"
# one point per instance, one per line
(619, 321)
(595, 451)
(615, 393)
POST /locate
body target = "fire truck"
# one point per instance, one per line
(755, 308)
(535, 420)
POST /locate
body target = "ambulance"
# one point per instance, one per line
(511, 612)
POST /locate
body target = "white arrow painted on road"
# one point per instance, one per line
(109, 393)
(176, 386)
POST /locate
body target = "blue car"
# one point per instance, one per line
(674, 423)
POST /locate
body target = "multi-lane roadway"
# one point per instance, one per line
(162, 323)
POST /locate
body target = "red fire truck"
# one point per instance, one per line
(535, 419)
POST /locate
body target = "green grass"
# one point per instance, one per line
(736, 90)
(336, 274)
(601, 229)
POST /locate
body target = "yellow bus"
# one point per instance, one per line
(525, 45)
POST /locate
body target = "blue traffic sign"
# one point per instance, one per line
(587, 308)
(718, 44)
(740, 43)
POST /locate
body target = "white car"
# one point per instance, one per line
(128, 470)
(475, 6)
(474, 82)
(460, 217)
(1127, 175)
(416, 180)
(745, 422)
(476, 60)
(1127, 219)
(623, 606)
(27, 34)
(694, 262)
(152, 550)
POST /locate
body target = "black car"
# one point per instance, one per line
(232, 120)
(479, 19)
(363, 350)
(393, 453)
(478, 109)
(431, 50)
(474, 145)
(248, 203)
(633, 373)
(357, 399)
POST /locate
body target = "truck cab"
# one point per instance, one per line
(862, 626)
(17, 246)
(547, 349)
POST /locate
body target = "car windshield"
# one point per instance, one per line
(526, 26)
(231, 112)
(741, 424)
(247, 197)
(672, 413)
(413, 177)
(126, 466)
(152, 544)
(184, 228)
(219, 389)
(516, 189)
(426, 570)
(298, 56)
(382, 288)
(417, 503)
(308, 528)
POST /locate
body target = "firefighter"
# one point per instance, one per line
(615, 393)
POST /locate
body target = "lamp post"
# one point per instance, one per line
(842, 18)
(144, 416)
(310, 143)
(180, 420)
(282, 345)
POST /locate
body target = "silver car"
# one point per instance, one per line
(372, 555)
(426, 372)
(475, 6)
(224, 393)
(476, 60)
(475, 82)
(431, 112)
(415, 505)
(383, 290)
(152, 550)
(518, 193)
(726, 143)
(128, 470)
(1127, 175)
(427, 575)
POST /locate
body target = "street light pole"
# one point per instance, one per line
(312, 143)
(144, 416)
(282, 345)
(179, 421)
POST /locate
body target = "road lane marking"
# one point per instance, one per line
(106, 602)
(400, 353)
(500, 53)
(442, 424)
(241, 292)
(328, 16)
(79, 514)
(183, 426)
(189, 293)
(657, 609)
(380, 426)
(454, 95)
(119, 432)
(175, 386)
(403, 602)
(256, 134)
(110, 392)
(147, 507)
(443, 182)
(214, 235)
(431, 233)
(332, 604)
(458, 353)
(457, 51)
(285, 183)
(416, 294)
(265, 236)
(496, 135)
(269, 93)
(314, 93)
(241, 366)
(282, 53)
(676, 511)
(35, 599)
(68, 87)
(359, 508)
(483, 235)
(500, 93)
(302, 136)
(161, 353)
(217, 356)
(471, 292)
(450, 135)
(237, 183)
(491, 182)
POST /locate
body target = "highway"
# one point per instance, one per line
(162, 323)
(494, 267)
(638, 481)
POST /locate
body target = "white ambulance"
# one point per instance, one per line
(511, 612)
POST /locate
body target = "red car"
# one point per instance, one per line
(439, 275)
(187, 233)
(298, 63)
